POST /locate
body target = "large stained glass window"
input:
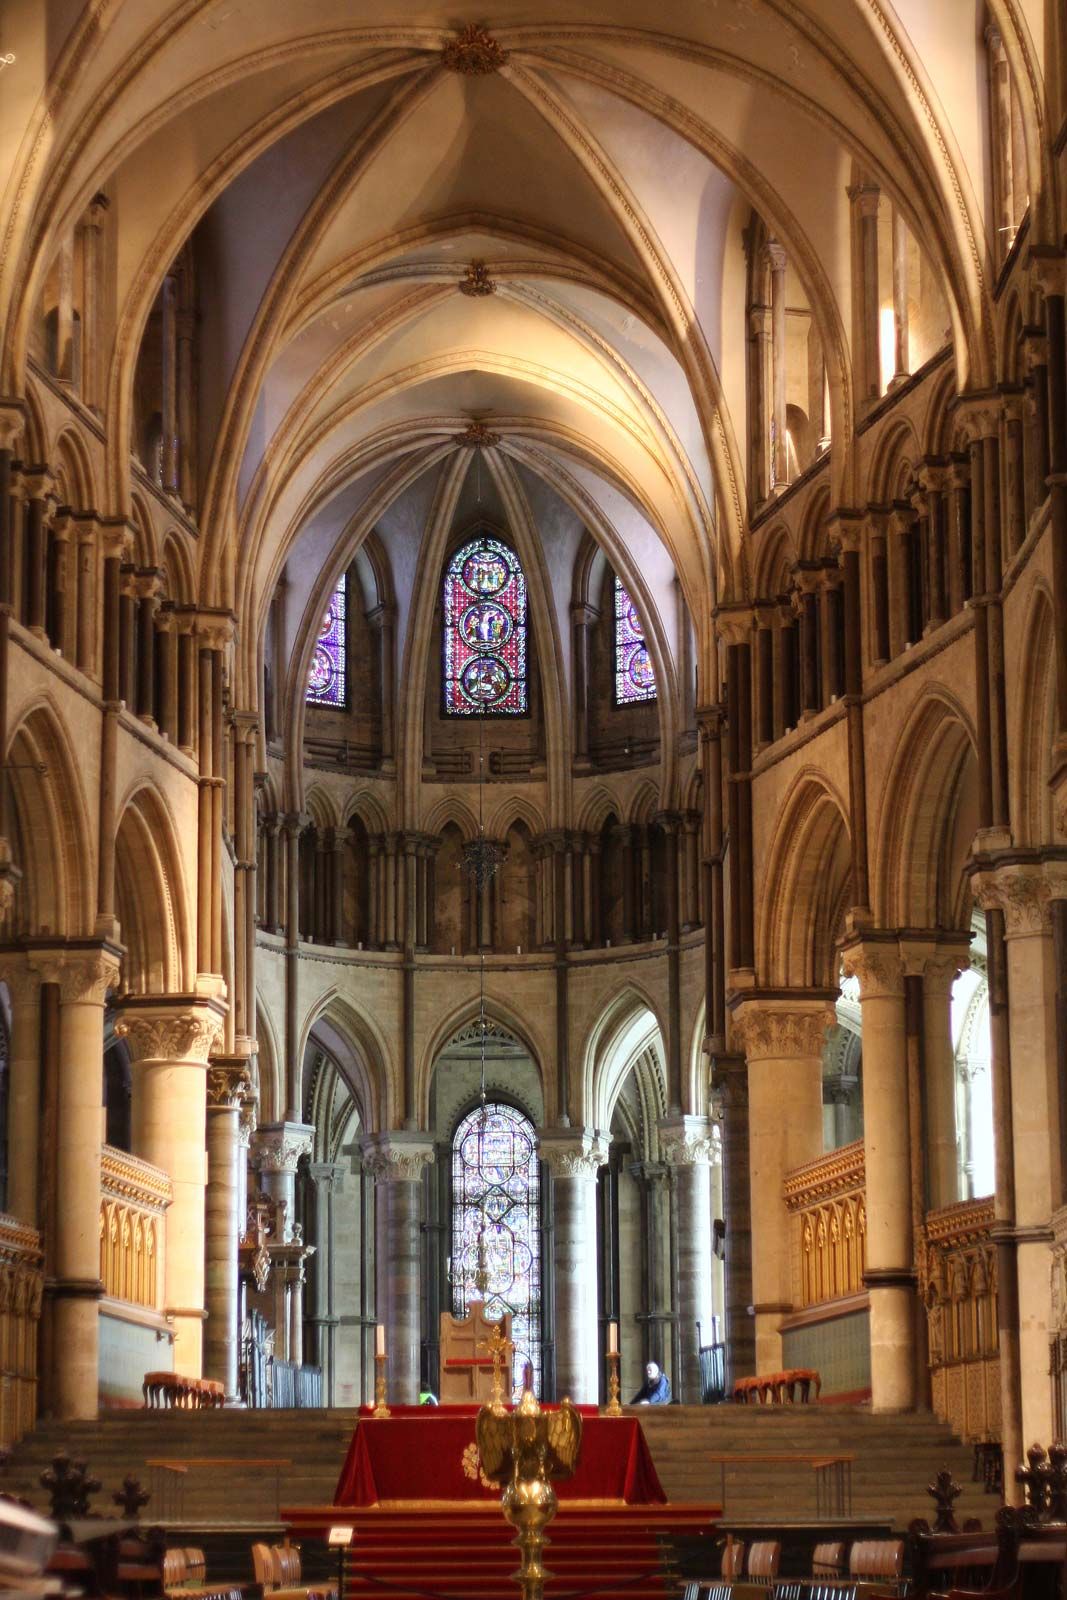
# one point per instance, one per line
(635, 676)
(328, 677)
(485, 631)
(496, 1187)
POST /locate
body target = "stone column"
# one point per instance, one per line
(170, 1039)
(901, 344)
(652, 1181)
(777, 263)
(783, 1041)
(1023, 894)
(40, 507)
(24, 1088)
(583, 619)
(328, 1181)
(90, 377)
(276, 1152)
(84, 977)
(890, 1275)
(938, 961)
(686, 1147)
(573, 1156)
(228, 1082)
(864, 197)
(397, 1160)
(730, 1082)
(169, 407)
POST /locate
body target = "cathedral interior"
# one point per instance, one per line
(533, 698)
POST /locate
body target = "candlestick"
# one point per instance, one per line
(379, 1340)
(613, 1407)
(380, 1407)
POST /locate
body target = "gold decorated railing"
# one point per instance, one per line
(133, 1201)
(957, 1263)
(21, 1281)
(828, 1200)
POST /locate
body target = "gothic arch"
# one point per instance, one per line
(626, 1027)
(928, 819)
(499, 1011)
(1034, 725)
(150, 899)
(369, 1068)
(74, 472)
(806, 888)
(56, 895)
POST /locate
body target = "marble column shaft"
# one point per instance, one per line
(686, 1146)
(574, 1156)
(228, 1079)
(397, 1161)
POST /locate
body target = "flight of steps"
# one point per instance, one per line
(895, 1458)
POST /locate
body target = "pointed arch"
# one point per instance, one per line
(806, 888)
(1035, 718)
(498, 1010)
(362, 1055)
(150, 898)
(627, 1026)
(56, 895)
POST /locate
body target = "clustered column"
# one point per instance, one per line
(228, 1085)
(686, 1146)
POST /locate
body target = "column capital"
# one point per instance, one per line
(770, 1028)
(977, 415)
(936, 958)
(22, 978)
(84, 973)
(733, 622)
(398, 1156)
(1023, 891)
(687, 1142)
(171, 1028)
(279, 1145)
(865, 196)
(1048, 270)
(876, 965)
(214, 626)
(327, 1175)
(246, 1121)
(573, 1152)
(775, 256)
(12, 422)
(229, 1082)
(845, 528)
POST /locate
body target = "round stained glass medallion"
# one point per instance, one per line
(639, 669)
(485, 680)
(485, 625)
(634, 620)
(321, 672)
(484, 573)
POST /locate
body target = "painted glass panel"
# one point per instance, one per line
(328, 676)
(495, 1175)
(635, 676)
(485, 631)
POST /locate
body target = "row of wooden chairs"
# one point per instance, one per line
(779, 1388)
(877, 1562)
(168, 1390)
(277, 1571)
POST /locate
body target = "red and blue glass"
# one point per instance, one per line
(496, 1197)
(485, 632)
(328, 675)
(635, 676)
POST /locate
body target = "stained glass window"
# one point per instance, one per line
(635, 676)
(328, 677)
(496, 1185)
(485, 631)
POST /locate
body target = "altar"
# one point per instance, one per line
(424, 1453)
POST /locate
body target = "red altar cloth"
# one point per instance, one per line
(418, 1454)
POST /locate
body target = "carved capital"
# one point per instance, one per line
(173, 1031)
(23, 980)
(572, 1152)
(687, 1142)
(396, 1157)
(734, 623)
(12, 422)
(246, 1121)
(279, 1146)
(229, 1082)
(877, 967)
(85, 976)
(1024, 893)
(771, 1030)
(938, 962)
(473, 52)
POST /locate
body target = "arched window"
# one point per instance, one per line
(635, 676)
(496, 1193)
(328, 676)
(485, 631)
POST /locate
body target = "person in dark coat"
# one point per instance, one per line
(656, 1389)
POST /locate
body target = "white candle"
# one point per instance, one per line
(613, 1338)
(379, 1340)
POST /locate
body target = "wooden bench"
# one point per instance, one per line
(170, 1390)
(185, 1578)
(277, 1572)
(778, 1388)
(875, 1572)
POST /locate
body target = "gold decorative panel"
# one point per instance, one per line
(132, 1222)
(21, 1283)
(957, 1263)
(828, 1198)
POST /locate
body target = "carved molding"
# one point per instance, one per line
(768, 1030)
(473, 52)
(229, 1082)
(687, 1141)
(85, 977)
(842, 1171)
(396, 1157)
(476, 282)
(128, 1178)
(573, 1152)
(877, 967)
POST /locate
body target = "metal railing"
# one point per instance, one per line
(293, 1386)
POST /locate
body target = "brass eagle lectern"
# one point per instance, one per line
(523, 1450)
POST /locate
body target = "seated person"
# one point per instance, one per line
(656, 1389)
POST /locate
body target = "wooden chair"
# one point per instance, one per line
(764, 1558)
(733, 1559)
(828, 1560)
